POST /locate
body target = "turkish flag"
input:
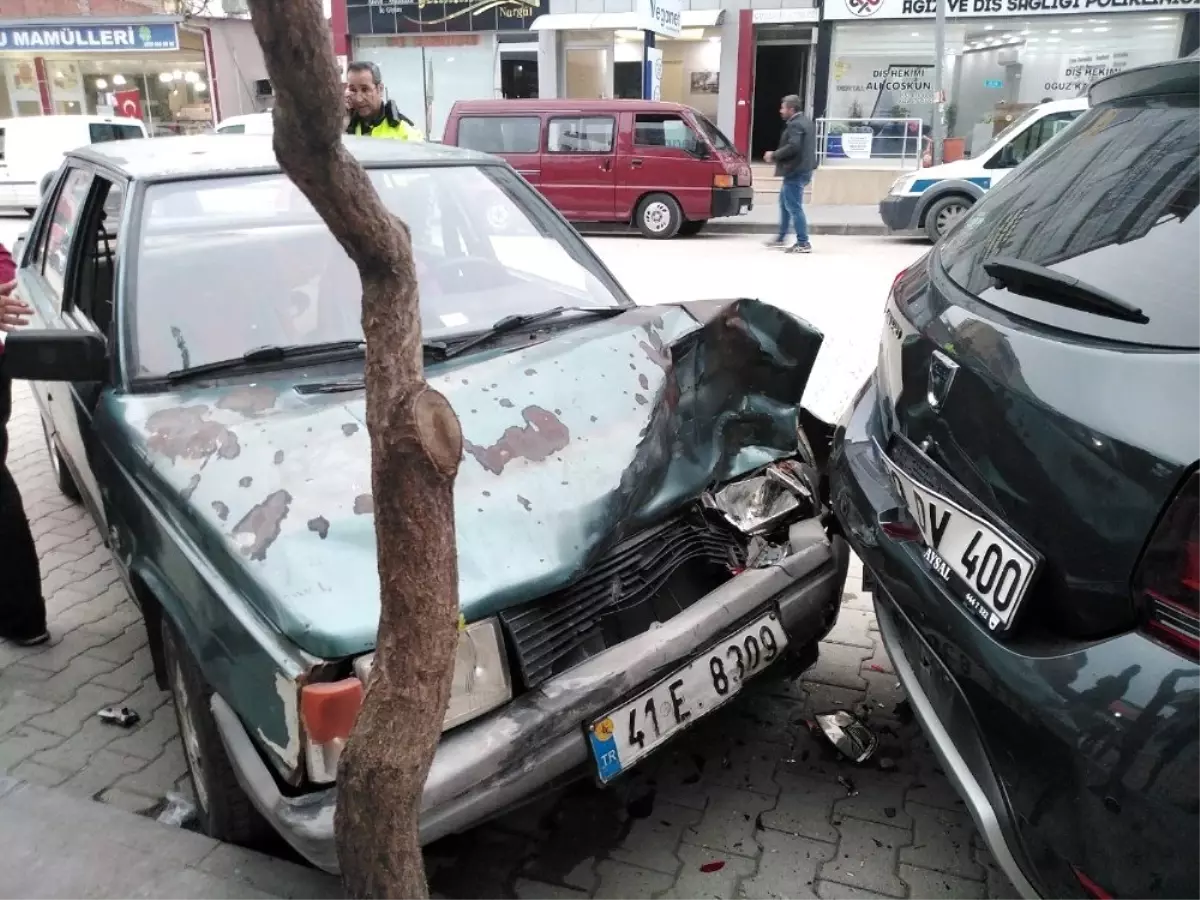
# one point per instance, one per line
(129, 103)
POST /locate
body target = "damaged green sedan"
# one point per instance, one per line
(639, 511)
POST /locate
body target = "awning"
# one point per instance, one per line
(689, 18)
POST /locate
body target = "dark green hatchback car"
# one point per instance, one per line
(639, 514)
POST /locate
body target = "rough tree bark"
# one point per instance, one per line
(416, 445)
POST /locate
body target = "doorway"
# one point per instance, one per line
(780, 68)
(518, 72)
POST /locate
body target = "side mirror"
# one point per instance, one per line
(55, 355)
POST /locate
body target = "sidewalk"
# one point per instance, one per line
(822, 219)
(56, 845)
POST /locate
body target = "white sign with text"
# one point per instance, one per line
(866, 10)
(663, 17)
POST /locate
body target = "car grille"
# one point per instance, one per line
(645, 579)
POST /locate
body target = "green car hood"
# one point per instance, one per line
(572, 443)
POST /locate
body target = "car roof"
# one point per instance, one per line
(1176, 76)
(1074, 103)
(246, 117)
(209, 155)
(562, 105)
(61, 118)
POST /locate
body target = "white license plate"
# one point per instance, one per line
(990, 572)
(633, 730)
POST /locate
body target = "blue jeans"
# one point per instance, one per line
(791, 206)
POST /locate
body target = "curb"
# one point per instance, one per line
(852, 229)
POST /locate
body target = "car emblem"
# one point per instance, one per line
(942, 370)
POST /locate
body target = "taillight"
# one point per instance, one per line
(1167, 583)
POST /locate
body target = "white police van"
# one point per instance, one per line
(933, 199)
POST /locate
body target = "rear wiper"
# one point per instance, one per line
(1041, 283)
(440, 350)
(270, 354)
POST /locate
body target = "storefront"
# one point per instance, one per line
(147, 68)
(1002, 57)
(433, 54)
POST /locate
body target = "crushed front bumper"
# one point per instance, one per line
(538, 741)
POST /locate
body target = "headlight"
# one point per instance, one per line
(759, 503)
(481, 679)
(898, 185)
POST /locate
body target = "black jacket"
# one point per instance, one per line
(797, 147)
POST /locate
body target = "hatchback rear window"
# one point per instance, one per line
(99, 132)
(500, 134)
(1112, 203)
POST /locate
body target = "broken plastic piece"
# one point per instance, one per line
(119, 715)
(178, 812)
(715, 866)
(853, 739)
(758, 504)
(851, 790)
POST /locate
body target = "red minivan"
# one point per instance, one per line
(663, 166)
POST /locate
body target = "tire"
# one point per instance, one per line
(62, 475)
(659, 217)
(692, 227)
(224, 811)
(943, 214)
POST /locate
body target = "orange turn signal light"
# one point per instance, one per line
(723, 181)
(328, 709)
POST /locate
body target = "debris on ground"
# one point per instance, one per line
(715, 866)
(852, 738)
(886, 764)
(178, 812)
(851, 790)
(876, 667)
(890, 812)
(119, 715)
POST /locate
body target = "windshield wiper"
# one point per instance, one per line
(270, 354)
(1042, 283)
(441, 350)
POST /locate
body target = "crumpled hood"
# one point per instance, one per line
(570, 445)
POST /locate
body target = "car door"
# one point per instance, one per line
(1026, 143)
(578, 173)
(666, 155)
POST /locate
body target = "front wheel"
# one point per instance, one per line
(225, 811)
(659, 216)
(942, 216)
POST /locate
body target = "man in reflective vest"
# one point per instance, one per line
(370, 115)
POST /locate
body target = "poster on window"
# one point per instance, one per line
(420, 17)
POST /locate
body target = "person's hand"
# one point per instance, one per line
(14, 312)
(769, 156)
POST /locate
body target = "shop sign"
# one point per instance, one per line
(993, 84)
(90, 38)
(967, 9)
(663, 17)
(785, 16)
(365, 17)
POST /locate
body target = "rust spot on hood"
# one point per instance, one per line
(349, 428)
(260, 527)
(320, 525)
(543, 435)
(655, 350)
(193, 483)
(249, 400)
(278, 457)
(245, 481)
(644, 381)
(364, 505)
(187, 432)
(221, 510)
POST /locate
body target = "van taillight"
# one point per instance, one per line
(1167, 584)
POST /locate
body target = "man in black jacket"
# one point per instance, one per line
(794, 161)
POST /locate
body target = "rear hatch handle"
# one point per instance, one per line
(1042, 283)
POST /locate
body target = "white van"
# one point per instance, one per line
(934, 198)
(254, 123)
(32, 148)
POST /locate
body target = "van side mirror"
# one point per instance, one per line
(55, 355)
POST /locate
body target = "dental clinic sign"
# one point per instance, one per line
(867, 10)
(90, 38)
(663, 17)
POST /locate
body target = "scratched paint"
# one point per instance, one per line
(543, 435)
(260, 527)
(187, 432)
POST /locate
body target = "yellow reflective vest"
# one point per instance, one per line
(393, 126)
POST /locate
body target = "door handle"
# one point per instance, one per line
(606, 165)
(636, 163)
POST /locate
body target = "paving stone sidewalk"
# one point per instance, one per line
(751, 788)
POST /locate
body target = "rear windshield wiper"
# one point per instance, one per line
(440, 350)
(1042, 283)
(331, 350)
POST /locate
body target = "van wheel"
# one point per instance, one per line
(692, 227)
(943, 214)
(659, 216)
(62, 475)
(224, 810)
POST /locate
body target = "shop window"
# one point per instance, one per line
(581, 135)
(101, 132)
(664, 131)
(500, 134)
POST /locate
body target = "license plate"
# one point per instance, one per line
(989, 571)
(633, 730)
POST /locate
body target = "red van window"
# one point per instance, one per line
(581, 134)
(500, 134)
(664, 130)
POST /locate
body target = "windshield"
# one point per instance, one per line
(1013, 127)
(713, 133)
(228, 265)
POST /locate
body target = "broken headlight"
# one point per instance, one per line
(759, 503)
(481, 679)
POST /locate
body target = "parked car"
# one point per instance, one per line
(32, 148)
(251, 123)
(932, 199)
(639, 513)
(661, 166)
(1019, 477)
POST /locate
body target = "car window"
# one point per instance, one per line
(64, 222)
(500, 134)
(580, 134)
(1112, 203)
(100, 132)
(664, 130)
(1033, 137)
(232, 129)
(95, 276)
(715, 136)
(485, 246)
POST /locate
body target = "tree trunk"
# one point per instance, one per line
(416, 445)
